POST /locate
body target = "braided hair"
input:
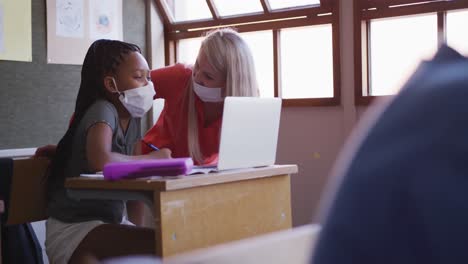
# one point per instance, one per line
(103, 57)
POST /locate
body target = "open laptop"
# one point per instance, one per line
(249, 133)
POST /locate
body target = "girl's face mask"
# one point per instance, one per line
(139, 100)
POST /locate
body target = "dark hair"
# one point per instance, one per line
(103, 57)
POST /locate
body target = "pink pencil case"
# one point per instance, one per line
(147, 168)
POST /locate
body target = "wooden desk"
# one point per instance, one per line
(197, 211)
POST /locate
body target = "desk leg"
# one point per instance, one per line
(157, 223)
(2, 209)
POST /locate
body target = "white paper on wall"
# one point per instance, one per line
(2, 30)
(70, 18)
(105, 22)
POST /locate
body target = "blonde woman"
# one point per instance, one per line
(190, 122)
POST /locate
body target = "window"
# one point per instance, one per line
(280, 4)
(294, 43)
(457, 34)
(186, 10)
(307, 57)
(230, 7)
(261, 44)
(396, 50)
(396, 35)
(188, 50)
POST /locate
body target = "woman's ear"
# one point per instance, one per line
(110, 85)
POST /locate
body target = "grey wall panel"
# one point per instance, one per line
(36, 98)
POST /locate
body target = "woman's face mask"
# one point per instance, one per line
(208, 83)
(139, 100)
(207, 94)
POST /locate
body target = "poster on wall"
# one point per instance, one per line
(15, 30)
(2, 39)
(104, 20)
(69, 20)
(72, 25)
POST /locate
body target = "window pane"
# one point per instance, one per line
(184, 10)
(261, 45)
(457, 34)
(307, 62)
(278, 4)
(397, 47)
(230, 7)
(187, 50)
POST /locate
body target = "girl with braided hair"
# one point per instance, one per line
(115, 92)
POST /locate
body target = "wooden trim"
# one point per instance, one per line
(271, 25)
(164, 11)
(175, 48)
(336, 53)
(367, 58)
(167, 49)
(413, 9)
(148, 119)
(441, 28)
(368, 100)
(381, 3)
(243, 19)
(213, 9)
(266, 6)
(277, 62)
(358, 56)
(148, 33)
(311, 102)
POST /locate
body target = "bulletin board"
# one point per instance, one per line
(72, 25)
(15, 30)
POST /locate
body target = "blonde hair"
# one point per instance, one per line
(230, 55)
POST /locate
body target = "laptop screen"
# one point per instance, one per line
(249, 132)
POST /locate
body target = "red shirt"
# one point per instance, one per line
(170, 131)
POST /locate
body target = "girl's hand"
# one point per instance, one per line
(163, 153)
(47, 151)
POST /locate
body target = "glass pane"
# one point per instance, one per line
(230, 7)
(279, 4)
(187, 50)
(261, 45)
(184, 10)
(307, 62)
(457, 35)
(397, 47)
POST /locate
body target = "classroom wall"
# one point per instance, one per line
(36, 98)
(312, 137)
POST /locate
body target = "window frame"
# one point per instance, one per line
(275, 20)
(366, 10)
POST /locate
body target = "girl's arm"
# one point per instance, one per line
(99, 149)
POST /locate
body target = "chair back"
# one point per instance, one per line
(23, 189)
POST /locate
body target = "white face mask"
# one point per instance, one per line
(207, 94)
(139, 100)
